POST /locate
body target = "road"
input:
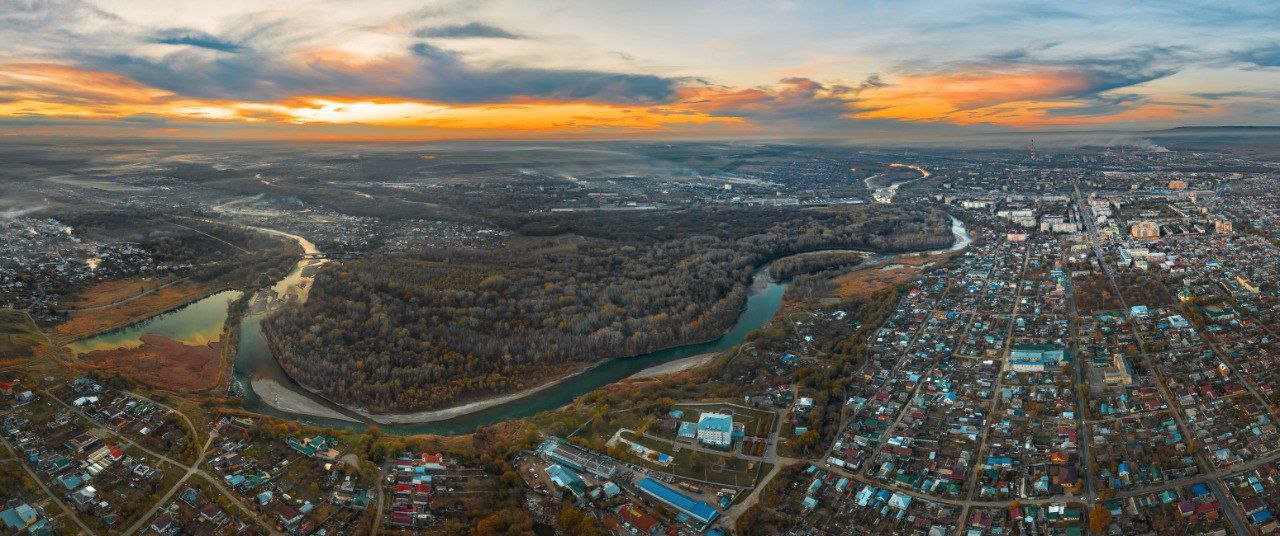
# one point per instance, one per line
(1086, 459)
(1229, 504)
(1210, 478)
(770, 455)
(58, 500)
(123, 301)
(191, 470)
(976, 472)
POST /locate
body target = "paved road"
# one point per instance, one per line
(191, 470)
(771, 455)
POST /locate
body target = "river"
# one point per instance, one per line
(265, 388)
(885, 194)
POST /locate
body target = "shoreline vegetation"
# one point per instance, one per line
(424, 331)
(299, 403)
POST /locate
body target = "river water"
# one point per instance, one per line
(265, 388)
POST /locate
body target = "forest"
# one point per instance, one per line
(808, 263)
(418, 332)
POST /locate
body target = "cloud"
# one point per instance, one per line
(424, 72)
(796, 105)
(1024, 86)
(1260, 56)
(1101, 106)
(1233, 95)
(465, 31)
(195, 38)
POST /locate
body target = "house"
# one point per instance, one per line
(165, 525)
(288, 515)
(213, 514)
(639, 521)
(1034, 357)
(19, 517)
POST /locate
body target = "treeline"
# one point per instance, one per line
(808, 263)
(411, 333)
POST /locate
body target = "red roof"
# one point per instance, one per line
(640, 520)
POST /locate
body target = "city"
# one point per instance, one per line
(703, 268)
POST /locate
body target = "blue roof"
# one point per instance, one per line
(715, 421)
(567, 479)
(700, 510)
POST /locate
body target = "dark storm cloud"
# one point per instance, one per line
(463, 31)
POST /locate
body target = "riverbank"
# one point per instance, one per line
(763, 301)
(266, 388)
(282, 398)
(672, 367)
(436, 415)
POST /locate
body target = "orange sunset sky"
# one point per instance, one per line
(398, 70)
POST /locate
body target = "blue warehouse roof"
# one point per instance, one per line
(697, 509)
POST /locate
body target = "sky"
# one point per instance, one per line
(398, 70)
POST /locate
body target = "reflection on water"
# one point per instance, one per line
(197, 323)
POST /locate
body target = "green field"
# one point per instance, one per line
(18, 336)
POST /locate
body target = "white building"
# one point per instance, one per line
(715, 429)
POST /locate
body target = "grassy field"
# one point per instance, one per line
(164, 363)
(18, 336)
(83, 323)
(109, 292)
(726, 470)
